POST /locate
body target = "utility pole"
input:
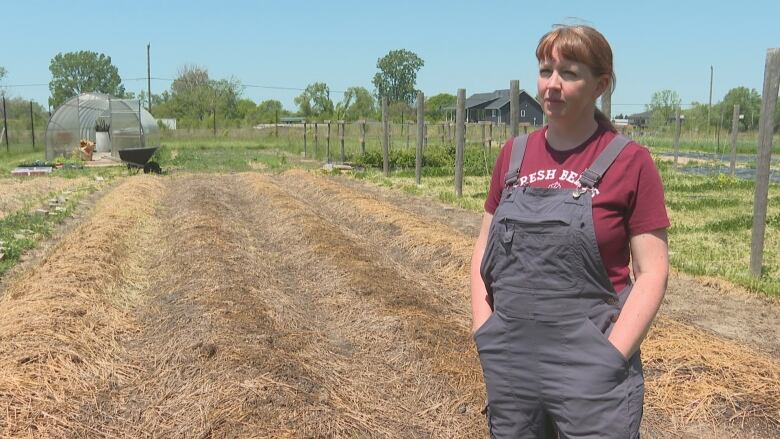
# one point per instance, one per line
(709, 108)
(149, 77)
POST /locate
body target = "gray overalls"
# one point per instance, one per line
(546, 359)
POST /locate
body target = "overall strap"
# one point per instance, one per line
(593, 174)
(515, 159)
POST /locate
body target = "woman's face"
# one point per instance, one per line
(568, 89)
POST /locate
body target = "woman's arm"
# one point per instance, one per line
(480, 305)
(650, 259)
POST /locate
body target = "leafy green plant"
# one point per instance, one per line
(102, 124)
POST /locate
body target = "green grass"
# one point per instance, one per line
(22, 230)
(711, 220)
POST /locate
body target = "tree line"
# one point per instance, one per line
(702, 117)
(196, 100)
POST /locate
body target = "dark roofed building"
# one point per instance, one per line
(494, 107)
(640, 120)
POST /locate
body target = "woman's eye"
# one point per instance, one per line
(544, 72)
(568, 74)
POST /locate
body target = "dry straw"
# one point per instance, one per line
(692, 376)
(242, 306)
(60, 331)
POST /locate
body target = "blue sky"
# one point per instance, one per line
(479, 46)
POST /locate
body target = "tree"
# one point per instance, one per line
(696, 117)
(663, 105)
(315, 100)
(749, 102)
(356, 104)
(194, 98)
(74, 73)
(397, 76)
(268, 109)
(437, 106)
(246, 110)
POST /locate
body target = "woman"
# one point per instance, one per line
(557, 320)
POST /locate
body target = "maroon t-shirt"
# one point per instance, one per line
(629, 199)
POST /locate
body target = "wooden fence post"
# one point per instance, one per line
(420, 134)
(734, 131)
(343, 153)
(32, 125)
(460, 140)
(385, 139)
(304, 140)
(484, 134)
(5, 127)
(677, 128)
(514, 106)
(490, 137)
(316, 141)
(327, 143)
(766, 125)
(363, 136)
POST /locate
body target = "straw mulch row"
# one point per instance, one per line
(63, 321)
(391, 358)
(16, 193)
(693, 377)
(288, 306)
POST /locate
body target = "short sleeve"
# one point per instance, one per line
(647, 209)
(497, 180)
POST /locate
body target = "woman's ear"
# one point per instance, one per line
(604, 83)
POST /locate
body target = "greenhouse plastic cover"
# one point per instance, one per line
(131, 125)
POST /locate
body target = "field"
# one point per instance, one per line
(237, 297)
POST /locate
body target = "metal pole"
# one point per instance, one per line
(420, 134)
(385, 139)
(766, 124)
(514, 106)
(141, 126)
(460, 139)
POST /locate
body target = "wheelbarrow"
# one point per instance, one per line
(138, 158)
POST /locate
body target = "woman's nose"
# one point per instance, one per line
(554, 81)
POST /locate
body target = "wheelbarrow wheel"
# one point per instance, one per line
(152, 167)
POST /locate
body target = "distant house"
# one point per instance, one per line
(292, 120)
(640, 120)
(494, 107)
